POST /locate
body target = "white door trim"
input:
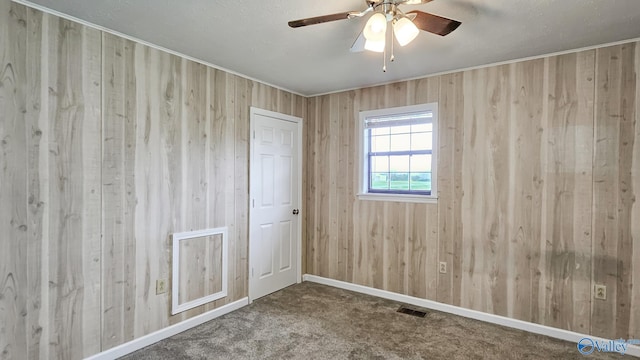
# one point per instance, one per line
(298, 121)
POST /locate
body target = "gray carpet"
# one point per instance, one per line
(312, 321)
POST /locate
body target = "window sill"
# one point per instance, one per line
(427, 199)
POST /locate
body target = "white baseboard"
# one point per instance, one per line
(472, 314)
(144, 341)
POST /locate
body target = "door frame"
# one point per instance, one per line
(252, 138)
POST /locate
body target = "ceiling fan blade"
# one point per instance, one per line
(434, 23)
(319, 19)
(358, 45)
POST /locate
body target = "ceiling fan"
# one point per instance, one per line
(405, 26)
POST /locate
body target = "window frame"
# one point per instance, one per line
(363, 192)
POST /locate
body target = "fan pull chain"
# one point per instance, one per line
(391, 40)
(384, 60)
(392, 56)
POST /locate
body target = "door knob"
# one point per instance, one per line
(296, 211)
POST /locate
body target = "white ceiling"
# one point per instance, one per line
(252, 37)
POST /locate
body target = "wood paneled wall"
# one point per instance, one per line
(107, 147)
(538, 175)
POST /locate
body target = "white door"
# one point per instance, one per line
(275, 199)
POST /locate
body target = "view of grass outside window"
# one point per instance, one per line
(399, 153)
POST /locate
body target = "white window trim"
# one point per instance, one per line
(362, 193)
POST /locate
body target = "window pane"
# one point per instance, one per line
(400, 142)
(380, 181)
(422, 127)
(399, 181)
(420, 163)
(380, 143)
(380, 164)
(421, 141)
(401, 129)
(395, 150)
(380, 131)
(399, 163)
(420, 181)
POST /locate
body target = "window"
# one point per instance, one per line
(398, 159)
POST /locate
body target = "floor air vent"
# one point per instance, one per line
(412, 312)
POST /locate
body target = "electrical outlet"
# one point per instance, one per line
(161, 286)
(600, 292)
(443, 267)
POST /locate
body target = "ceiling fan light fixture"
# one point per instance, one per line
(405, 31)
(376, 28)
(375, 46)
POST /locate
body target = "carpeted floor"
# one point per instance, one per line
(312, 321)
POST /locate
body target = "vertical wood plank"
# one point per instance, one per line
(582, 298)
(485, 209)
(498, 174)
(431, 236)
(324, 166)
(540, 196)
(37, 130)
(243, 92)
(373, 239)
(361, 243)
(333, 172)
(417, 251)
(301, 111)
(158, 179)
(310, 204)
(222, 158)
(350, 152)
(118, 191)
(568, 186)
(75, 197)
(450, 133)
(285, 105)
(265, 97)
(360, 248)
(474, 296)
(231, 85)
(113, 207)
(260, 97)
(365, 229)
(344, 191)
(613, 194)
(527, 86)
(233, 112)
(605, 186)
(627, 196)
(634, 322)
(14, 287)
(92, 186)
(130, 196)
(299, 106)
(195, 157)
(393, 235)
